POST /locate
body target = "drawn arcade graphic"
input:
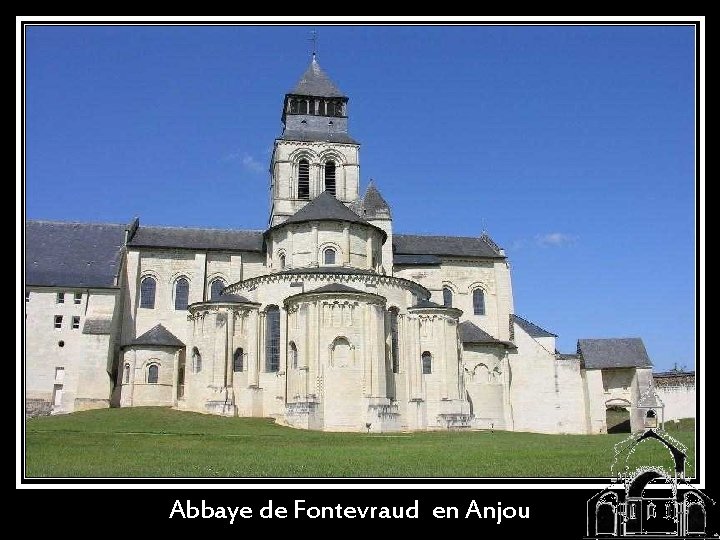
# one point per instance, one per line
(653, 503)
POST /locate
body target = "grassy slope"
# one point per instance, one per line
(167, 443)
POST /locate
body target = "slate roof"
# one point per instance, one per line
(316, 136)
(97, 326)
(158, 336)
(72, 254)
(416, 260)
(315, 82)
(326, 270)
(226, 298)
(454, 246)
(373, 204)
(471, 333)
(335, 288)
(201, 239)
(531, 328)
(667, 374)
(613, 353)
(422, 303)
(325, 207)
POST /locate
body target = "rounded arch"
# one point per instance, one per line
(126, 373)
(330, 154)
(152, 371)
(196, 360)
(281, 257)
(617, 402)
(238, 357)
(447, 296)
(181, 293)
(216, 285)
(342, 352)
(303, 153)
(426, 359)
(292, 355)
(478, 296)
(337, 257)
(148, 290)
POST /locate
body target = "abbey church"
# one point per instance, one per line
(326, 320)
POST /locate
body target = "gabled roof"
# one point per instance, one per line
(613, 353)
(373, 204)
(72, 254)
(532, 329)
(200, 239)
(471, 333)
(315, 82)
(158, 336)
(420, 260)
(335, 288)
(325, 207)
(452, 246)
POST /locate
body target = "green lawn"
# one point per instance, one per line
(159, 442)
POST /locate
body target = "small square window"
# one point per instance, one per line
(77, 298)
(76, 323)
(60, 299)
(58, 321)
(27, 296)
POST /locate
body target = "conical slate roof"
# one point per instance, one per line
(325, 206)
(159, 336)
(335, 288)
(315, 82)
(373, 204)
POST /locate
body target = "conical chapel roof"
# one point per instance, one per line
(315, 82)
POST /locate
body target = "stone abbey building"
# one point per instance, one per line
(327, 320)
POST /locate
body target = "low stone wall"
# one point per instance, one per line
(37, 407)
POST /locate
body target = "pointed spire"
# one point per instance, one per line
(374, 205)
(315, 82)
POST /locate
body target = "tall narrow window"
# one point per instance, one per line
(147, 292)
(58, 321)
(329, 256)
(330, 177)
(426, 363)
(447, 297)
(394, 349)
(272, 339)
(60, 298)
(293, 106)
(152, 374)
(238, 360)
(216, 288)
(303, 106)
(282, 262)
(182, 292)
(77, 298)
(126, 374)
(293, 360)
(196, 361)
(303, 179)
(27, 296)
(75, 322)
(478, 302)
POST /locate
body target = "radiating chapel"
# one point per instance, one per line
(326, 320)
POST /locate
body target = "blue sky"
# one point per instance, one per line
(573, 146)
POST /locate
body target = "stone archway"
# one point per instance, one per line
(617, 416)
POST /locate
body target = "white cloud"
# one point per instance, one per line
(555, 239)
(247, 161)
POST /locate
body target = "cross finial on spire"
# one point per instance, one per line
(314, 38)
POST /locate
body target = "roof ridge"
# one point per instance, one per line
(181, 227)
(58, 222)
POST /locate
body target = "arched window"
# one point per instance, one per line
(478, 302)
(293, 355)
(329, 256)
(238, 360)
(126, 374)
(272, 339)
(196, 361)
(282, 261)
(394, 349)
(182, 292)
(426, 363)
(147, 292)
(293, 106)
(447, 297)
(152, 374)
(216, 288)
(303, 179)
(330, 177)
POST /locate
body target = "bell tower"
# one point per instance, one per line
(314, 153)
